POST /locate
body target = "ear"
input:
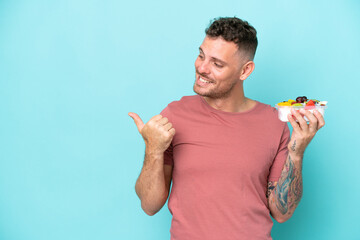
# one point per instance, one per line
(247, 69)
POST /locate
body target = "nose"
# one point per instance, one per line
(203, 67)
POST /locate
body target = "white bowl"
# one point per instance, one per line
(283, 111)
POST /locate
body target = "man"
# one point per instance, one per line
(231, 160)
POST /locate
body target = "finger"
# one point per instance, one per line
(156, 117)
(294, 124)
(168, 126)
(313, 121)
(163, 121)
(301, 120)
(172, 131)
(321, 121)
(139, 123)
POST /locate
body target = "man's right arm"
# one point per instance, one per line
(153, 184)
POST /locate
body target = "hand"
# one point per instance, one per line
(157, 132)
(302, 132)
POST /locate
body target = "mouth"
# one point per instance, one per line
(204, 80)
(200, 81)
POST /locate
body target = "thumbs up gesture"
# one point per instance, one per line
(157, 132)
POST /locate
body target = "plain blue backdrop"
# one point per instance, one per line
(70, 71)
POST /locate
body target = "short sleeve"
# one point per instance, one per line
(281, 155)
(168, 154)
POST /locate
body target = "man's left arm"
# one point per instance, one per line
(285, 194)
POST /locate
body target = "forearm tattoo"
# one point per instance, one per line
(293, 146)
(288, 191)
(269, 188)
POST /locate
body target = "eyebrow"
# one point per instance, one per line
(214, 58)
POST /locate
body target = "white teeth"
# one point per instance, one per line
(204, 80)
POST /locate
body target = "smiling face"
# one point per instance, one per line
(220, 63)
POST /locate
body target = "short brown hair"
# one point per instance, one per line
(233, 29)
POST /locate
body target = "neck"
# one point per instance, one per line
(233, 102)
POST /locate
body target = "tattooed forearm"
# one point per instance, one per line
(293, 146)
(271, 186)
(288, 190)
(282, 189)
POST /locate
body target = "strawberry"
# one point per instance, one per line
(310, 103)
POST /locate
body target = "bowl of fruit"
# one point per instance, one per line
(302, 102)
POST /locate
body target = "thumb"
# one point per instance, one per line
(139, 123)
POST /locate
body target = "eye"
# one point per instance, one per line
(201, 56)
(218, 65)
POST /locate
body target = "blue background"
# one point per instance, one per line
(70, 71)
